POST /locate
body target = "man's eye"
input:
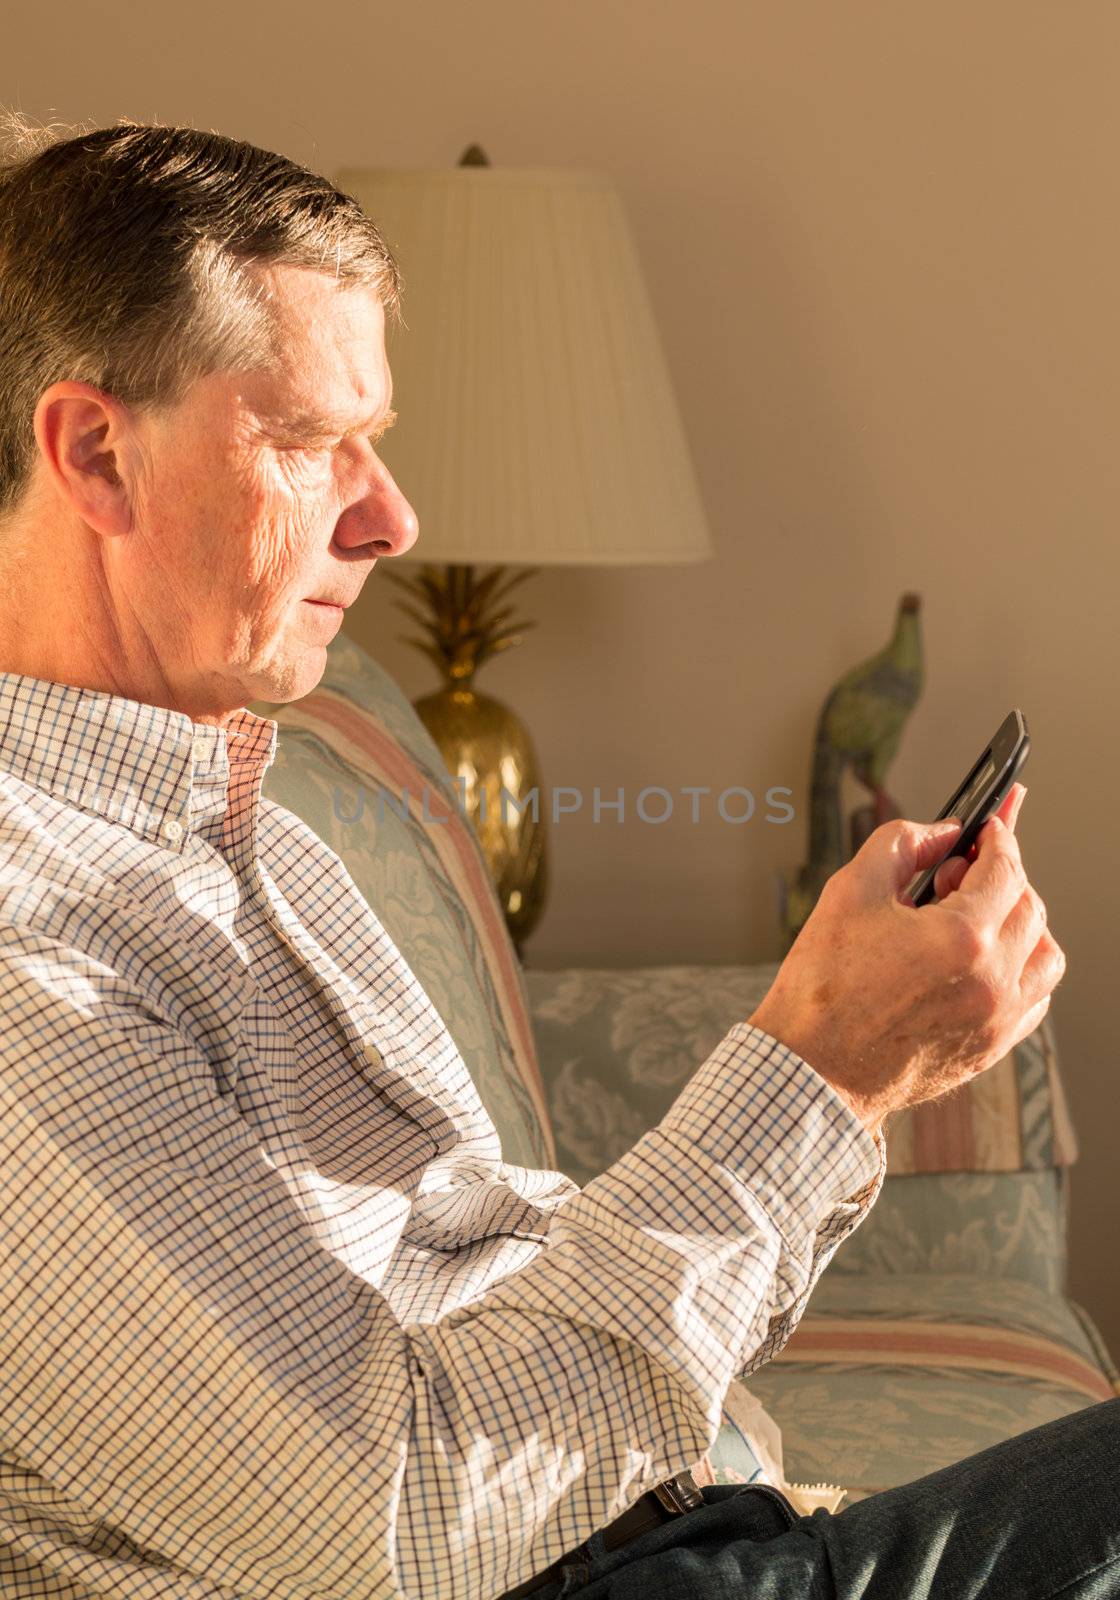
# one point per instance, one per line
(328, 446)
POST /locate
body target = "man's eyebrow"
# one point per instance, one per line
(321, 424)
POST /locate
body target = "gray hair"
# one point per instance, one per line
(126, 257)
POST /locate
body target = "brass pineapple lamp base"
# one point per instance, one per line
(485, 746)
(488, 748)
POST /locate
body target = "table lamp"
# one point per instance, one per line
(538, 426)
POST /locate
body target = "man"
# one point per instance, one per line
(276, 1319)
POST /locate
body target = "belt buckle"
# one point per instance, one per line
(679, 1494)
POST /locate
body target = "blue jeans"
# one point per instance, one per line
(1035, 1518)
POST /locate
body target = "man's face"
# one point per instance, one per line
(261, 494)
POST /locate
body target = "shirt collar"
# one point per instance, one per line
(149, 768)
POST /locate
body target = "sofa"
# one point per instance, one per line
(941, 1326)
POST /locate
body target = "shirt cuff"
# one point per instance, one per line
(764, 1114)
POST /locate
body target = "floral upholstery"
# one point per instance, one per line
(617, 1046)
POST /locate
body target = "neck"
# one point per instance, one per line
(62, 623)
(906, 646)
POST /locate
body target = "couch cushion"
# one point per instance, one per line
(616, 1047)
(356, 764)
(886, 1379)
(991, 1224)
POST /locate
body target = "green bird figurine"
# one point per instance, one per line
(859, 729)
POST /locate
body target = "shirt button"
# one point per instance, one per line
(199, 750)
(172, 831)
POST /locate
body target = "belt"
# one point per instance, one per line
(660, 1504)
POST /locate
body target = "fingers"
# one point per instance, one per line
(1043, 971)
(1028, 951)
(1008, 812)
(919, 844)
(1029, 1021)
(950, 876)
(892, 855)
(1024, 925)
(996, 878)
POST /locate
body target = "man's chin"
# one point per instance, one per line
(289, 679)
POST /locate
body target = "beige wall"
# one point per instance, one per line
(883, 244)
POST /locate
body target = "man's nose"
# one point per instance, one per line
(382, 519)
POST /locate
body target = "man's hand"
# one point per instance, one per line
(894, 1004)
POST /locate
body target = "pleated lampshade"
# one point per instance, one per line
(537, 422)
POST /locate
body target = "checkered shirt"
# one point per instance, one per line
(276, 1319)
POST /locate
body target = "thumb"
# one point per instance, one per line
(894, 853)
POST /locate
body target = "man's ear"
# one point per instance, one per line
(86, 440)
